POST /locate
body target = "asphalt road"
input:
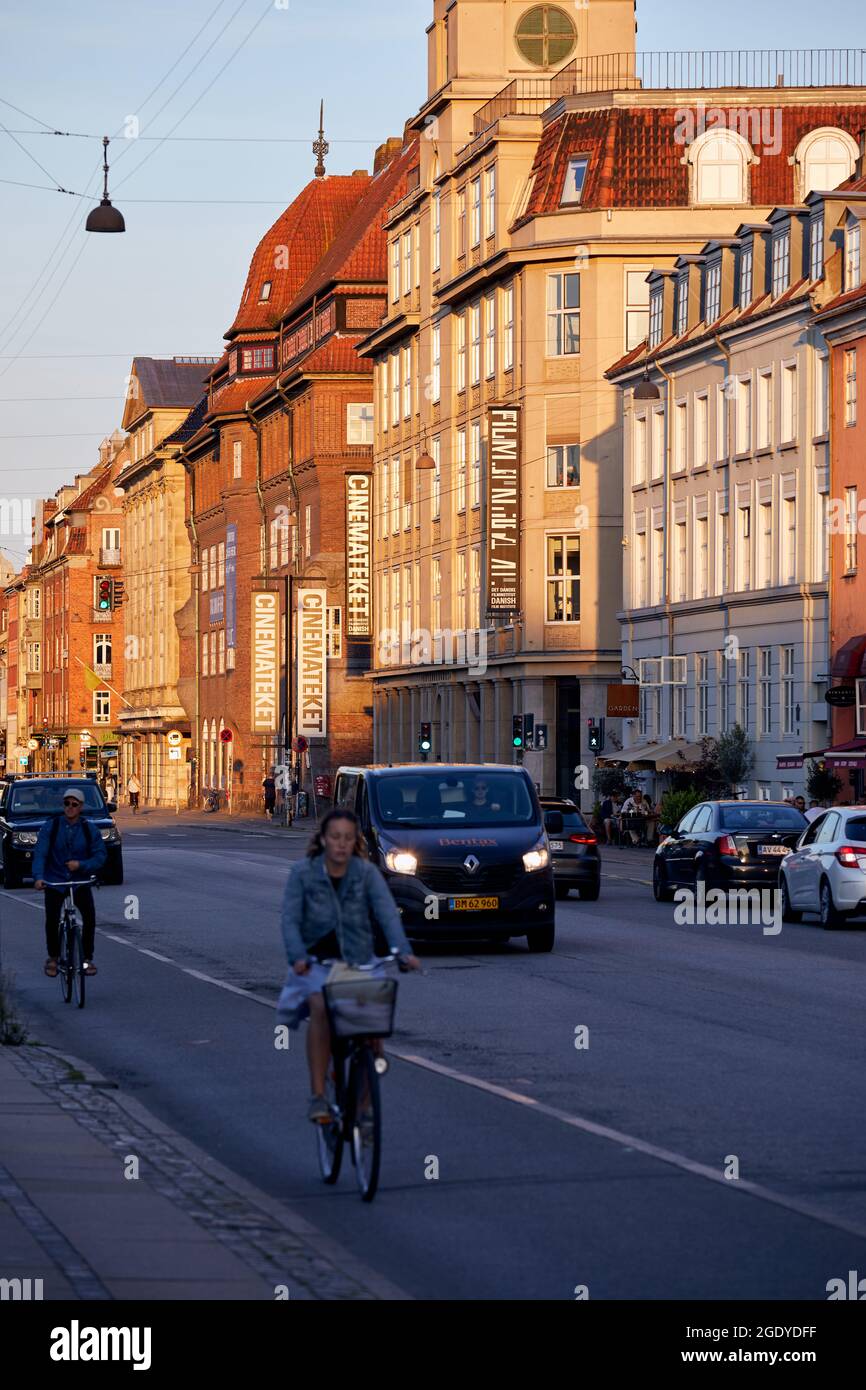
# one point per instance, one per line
(558, 1166)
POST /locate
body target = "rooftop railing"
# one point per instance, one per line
(525, 96)
(715, 68)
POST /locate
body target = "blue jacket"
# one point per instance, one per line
(312, 908)
(72, 842)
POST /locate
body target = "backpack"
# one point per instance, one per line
(55, 828)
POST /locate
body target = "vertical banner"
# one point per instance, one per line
(503, 509)
(312, 701)
(265, 651)
(359, 555)
(231, 600)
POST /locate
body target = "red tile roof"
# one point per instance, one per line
(233, 398)
(85, 499)
(77, 542)
(338, 354)
(635, 156)
(849, 300)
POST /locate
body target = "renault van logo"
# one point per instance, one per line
(470, 863)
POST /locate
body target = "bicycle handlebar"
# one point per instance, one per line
(71, 883)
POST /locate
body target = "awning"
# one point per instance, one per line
(851, 754)
(850, 660)
(791, 763)
(664, 757)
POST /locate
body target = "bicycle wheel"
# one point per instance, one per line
(365, 1121)
(76, 966)
(64, 965)
(329, 1137)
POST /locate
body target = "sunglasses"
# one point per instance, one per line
(71, 801)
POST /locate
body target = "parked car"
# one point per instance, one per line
(25, 805)
(462, 847)
(573, 849)
(726, 844)
(827, 871)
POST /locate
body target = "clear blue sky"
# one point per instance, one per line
(172, 283)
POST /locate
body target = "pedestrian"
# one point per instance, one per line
(68, 850)
(335, 905)
(800, 803)
(269, 787)
(133, 787)
(609, 816)
(634, 818)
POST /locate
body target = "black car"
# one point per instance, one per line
(463, 848)
(25, 805)
(726, 844)
(573, 849)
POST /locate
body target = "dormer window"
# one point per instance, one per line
(656, 317)
(713, 291)
(257, 359)
(852, 256)
(575, 178)
(824, 158)
(265, 293)
(747, 267)
(682, 310)
(720, 160)
(781, 262)
(816, 246)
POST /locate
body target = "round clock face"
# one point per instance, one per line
(546, 36)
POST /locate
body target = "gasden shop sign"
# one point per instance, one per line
(265, 661)
(359, 546)
(503, 510)
(312, 663)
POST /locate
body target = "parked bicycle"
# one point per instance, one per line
(212, 800)
(70, 964)
(360, 1012)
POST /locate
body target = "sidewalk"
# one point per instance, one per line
(163, 816)
(186, 1228)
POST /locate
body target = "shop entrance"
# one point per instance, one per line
(568, 740)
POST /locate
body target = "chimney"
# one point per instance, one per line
(385, 153)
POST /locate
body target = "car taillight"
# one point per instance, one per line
(848, 857)
(725, 845)
(582, 839)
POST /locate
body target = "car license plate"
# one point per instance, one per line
(773, 849)
(473, 904)
(556, 844)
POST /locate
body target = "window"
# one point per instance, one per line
(460, 595)
(790, 402)
(545, 36)
(682, 554)
(102, 649)
(237, 459)
(395, 270)
(563, 579)
(508, 328)
(682, 304)
(461, 222)
(789, 541)
(681, 436)
(816, 246)
(436, 587)
(257, 359)
(395, 496)
(702, 430)
(786, 666)
(476, 464)
(747, 268)
(265, 292)
(702, 546)
(640, 449)
(395, 388)
(852, 256)
(308, 531)
(384, 501)
(720, 168)
(461, 470)
(723, 701)
(221, 651)
(475, 603)
(221, 563)
(334, 634)
(850, 386)
(416, 255)
(765, 691)
(563, 465)
(437, 478)
(659, 443)
(744, 547)
(827, 162)
(656, 318)
(861, 707)
(563, 314)
(713, 306)
(436, 223)
(650, 712)
(35, 595)
(640, 570)
(476, 212)
(766, 542)
(658, 564)
(34, 661)
(461, 352)
(110, 541)
(359, 423)
(822, 393)
(475, 328)
(213, 567)
(436, 362)
(102, 707)
(781, 262)
(490, 336)
(407, 383)
(407, 261)
(744, 415)
(636, 308)
(679, 694)
(490, 201)
(850, 530)
(575, 178)
(702, 682)
(765, 409)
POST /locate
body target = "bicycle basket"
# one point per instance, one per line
(361, 1008)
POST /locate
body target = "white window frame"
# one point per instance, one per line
(461, 470)
(561, 580)
(787, 689)
(790, 403)
(436, 362)
(508, 328)
(102, 706)
(490, 201)
(436, 230)
(561, 459)
(563, 313)
(359, 423)
(460, 349)
(490, 336)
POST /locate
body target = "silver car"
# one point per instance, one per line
(826, 873)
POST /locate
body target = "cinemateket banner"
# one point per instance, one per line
(312, 701)
(265, 661)
(359, 555)
(503, 510)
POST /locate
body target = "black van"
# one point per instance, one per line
(462, 846)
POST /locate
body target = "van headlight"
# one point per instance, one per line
(110, 835)
(25, 837)
(537, 858)
(401, 861)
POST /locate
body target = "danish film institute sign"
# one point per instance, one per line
(503, 510)
(312, 663)
(265, 661)
(359, 555)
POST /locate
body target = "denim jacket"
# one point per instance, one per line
(312, 907)
(70, 842)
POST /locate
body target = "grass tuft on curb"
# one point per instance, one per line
(13, 1032)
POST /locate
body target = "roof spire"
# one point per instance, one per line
(321, 146)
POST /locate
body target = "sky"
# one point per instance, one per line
(75, 308)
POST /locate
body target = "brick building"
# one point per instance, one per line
(288, 416)
(18, 756)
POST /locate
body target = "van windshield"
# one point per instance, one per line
(41, 798)
(471, 798)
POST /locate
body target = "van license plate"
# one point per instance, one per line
(473, 904)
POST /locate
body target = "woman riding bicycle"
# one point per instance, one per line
(335, 900)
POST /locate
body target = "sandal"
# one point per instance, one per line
(51, 968)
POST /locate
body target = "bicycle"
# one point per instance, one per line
(359, 1012)
(70, 964)
(212, 800)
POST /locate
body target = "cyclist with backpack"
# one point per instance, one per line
(69, 847)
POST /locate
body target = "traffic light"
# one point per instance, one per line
(529, 731)
(425, 739)
(596, 737)
(118, 593)
(104, 593)
(517, 731)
